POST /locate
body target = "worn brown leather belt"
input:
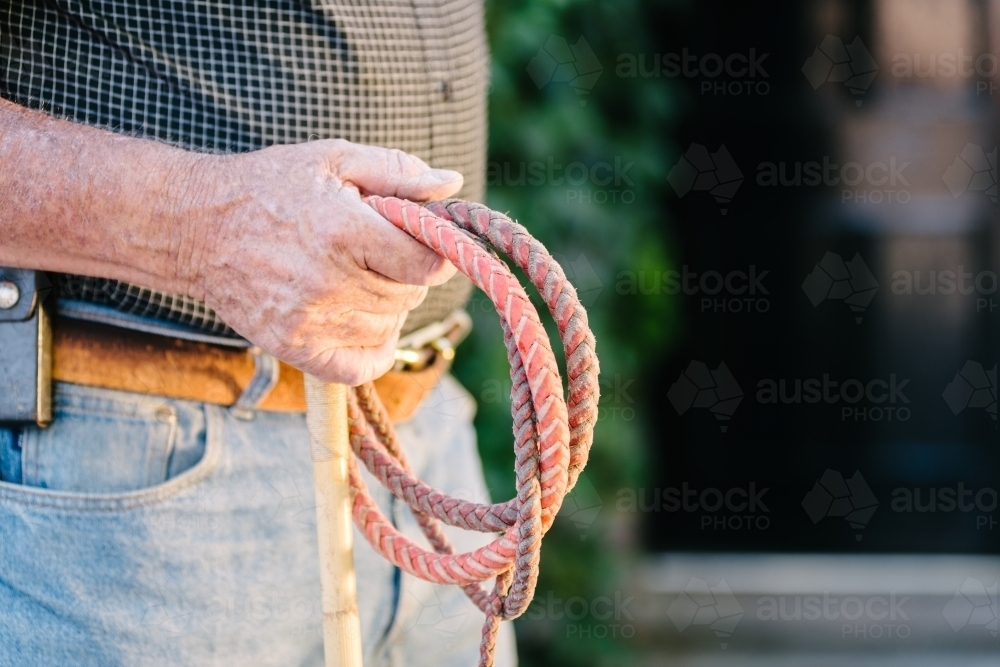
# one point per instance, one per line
(97, 355)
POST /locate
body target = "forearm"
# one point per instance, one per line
(75, 199)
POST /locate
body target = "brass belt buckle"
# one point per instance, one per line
(419, 349)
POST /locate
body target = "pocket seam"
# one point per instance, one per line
(115, 502)
(29, 440)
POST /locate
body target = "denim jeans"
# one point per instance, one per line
(139, 530)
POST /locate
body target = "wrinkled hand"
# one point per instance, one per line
(292, 259)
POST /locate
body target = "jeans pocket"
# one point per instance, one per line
(103, 441)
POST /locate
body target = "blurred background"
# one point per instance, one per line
(782, 217)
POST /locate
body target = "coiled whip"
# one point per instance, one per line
(552, 435)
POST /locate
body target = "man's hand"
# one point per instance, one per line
(277, 241)
(289, 256)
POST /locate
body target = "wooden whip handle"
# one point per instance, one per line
(326, 417)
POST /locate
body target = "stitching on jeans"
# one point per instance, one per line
(118, 502)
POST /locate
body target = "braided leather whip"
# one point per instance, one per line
(552, 436)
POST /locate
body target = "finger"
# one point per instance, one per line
(393, 173)
(380, 246)
(354, 366)
(361, 329)
(376, 294)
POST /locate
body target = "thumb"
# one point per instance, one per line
(393, 173)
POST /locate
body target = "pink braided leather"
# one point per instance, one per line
(552, 438)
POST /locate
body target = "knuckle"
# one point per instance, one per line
(342, 369)
(358, 375)
(337, 145)
(436, 270)
(336, 154)
(381, 330)
(396, 161)
(413, 297)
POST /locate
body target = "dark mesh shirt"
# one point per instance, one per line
(229, 76)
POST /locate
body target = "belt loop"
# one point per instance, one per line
(265, 377)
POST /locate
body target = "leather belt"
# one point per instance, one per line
(98, 355)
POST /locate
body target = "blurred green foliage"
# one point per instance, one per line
(596, 231)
